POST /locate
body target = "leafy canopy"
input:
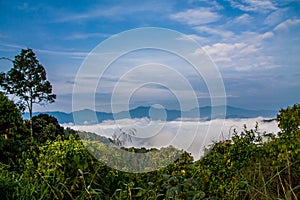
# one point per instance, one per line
(27, 80)
(10, 116)
(46, 127)
(289, 120)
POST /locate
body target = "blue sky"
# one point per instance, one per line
(254, 43)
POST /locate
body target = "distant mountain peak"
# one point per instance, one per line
(87, 115)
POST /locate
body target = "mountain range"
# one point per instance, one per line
(87, 116)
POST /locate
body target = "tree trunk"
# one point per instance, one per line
(30, 122)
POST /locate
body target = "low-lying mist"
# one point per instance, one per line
(188, 134)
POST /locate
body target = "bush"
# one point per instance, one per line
(46, 127)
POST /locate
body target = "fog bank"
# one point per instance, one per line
(188, 134)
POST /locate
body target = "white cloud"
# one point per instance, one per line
(113, 13)
(12, 46)
(195, 37)
(287, 24)
(211, 3)
(47, 51)
(232, 32)
(223, 48)
(250, 49)
(243, 19)
(87, 35)
(100, 12)
(224, 52)
(214, 31)
(190, 135)
(267, 35)
(196, 16)
(245, 51)
(251, 37)
(277, 16)
(74, 54)
(253, 5)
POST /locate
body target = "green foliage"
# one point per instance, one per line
(251, 165)
(27, 80)
(7, 184)
(13, 133)
(289, 120)
(10, 116)
(46, 127)
(68, 163)
(255, 165)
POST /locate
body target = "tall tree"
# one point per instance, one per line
(27, 80)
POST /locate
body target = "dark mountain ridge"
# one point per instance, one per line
(87, 116)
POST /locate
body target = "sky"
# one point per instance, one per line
(254, 44)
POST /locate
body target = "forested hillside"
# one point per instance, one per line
(53, 163)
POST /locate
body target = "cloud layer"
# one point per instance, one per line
(189, 134)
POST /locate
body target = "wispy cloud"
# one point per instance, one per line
(214, 31)
(276, 17)
(243, 19)
(117, 12)
(13, 46)
(211, 3)
(64, 53)
(197, 16)
(253, 5)
(197, 38)
(244, 51)
(224, 52)
(287, 24)
(47, 51)
(94, 13)
(80, 36)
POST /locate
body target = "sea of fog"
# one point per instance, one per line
(189, 134)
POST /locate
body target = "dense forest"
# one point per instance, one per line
(41, 160)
